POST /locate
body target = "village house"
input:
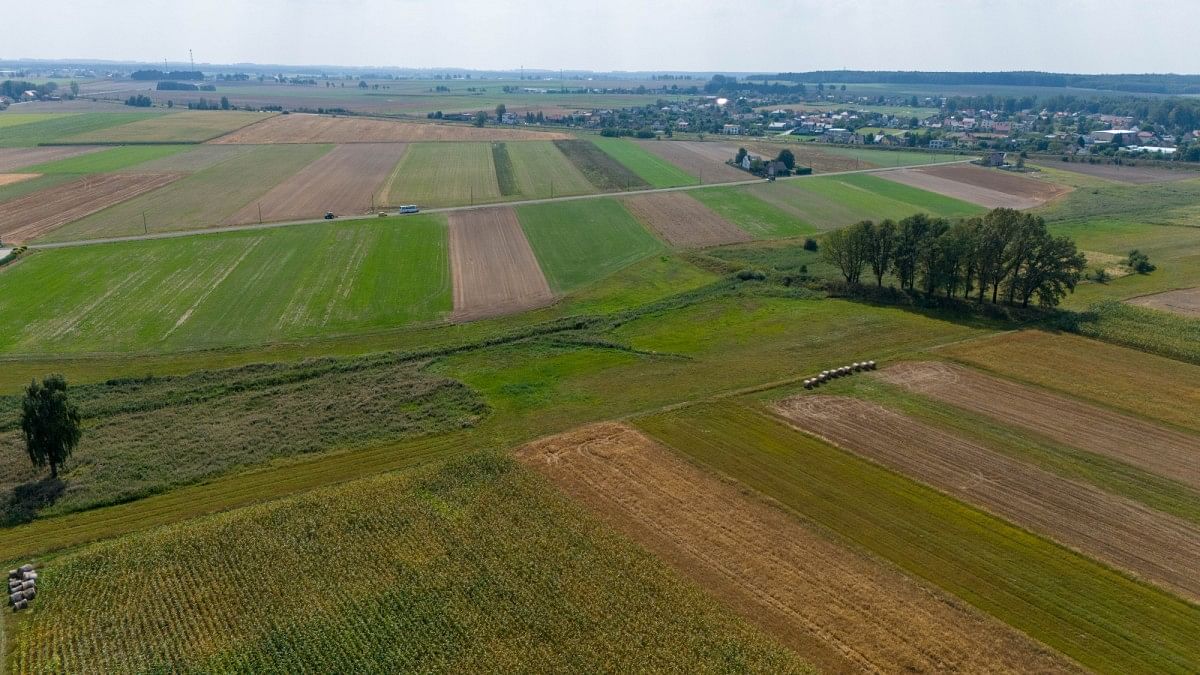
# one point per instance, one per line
(731, 129)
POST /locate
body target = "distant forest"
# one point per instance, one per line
(1145, 84)
(160, 75)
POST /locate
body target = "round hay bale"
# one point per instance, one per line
(26, 568)
(30, 594)
(12, 574)
(26, 585)
(20, 605)
(31, 575)
(14, 597)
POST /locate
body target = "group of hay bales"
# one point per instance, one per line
(22, 586)
(827, 375)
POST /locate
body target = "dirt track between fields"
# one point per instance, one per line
(495, 271)
(991, 188)
(1185, 301)
(16, 158)
(706, 161)
(343, 181)
(36, 214)
(302, 128)
(839, 608)
(1158, 547)
(1166, 452)
(1136, 175)
(682, 221)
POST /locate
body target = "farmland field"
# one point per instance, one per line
(599, 167)
(757, 217)
(1119, 531)
(202, 290)
(303, 128)
(343, 181)
(840, 608)
(14, 178)
(990, 188)
(203, 199)
(59, 128)
(35, 215)
(1167, 452)
(417, 571)
(443, 174)
(540, 170)
(654, 171)
(194, 126)
(706, 161)
(1137, 175)
(579, 242)
(108, 160)
(495, 271)
(12, 159)
(1052, 594)
(1185, 301)
(683, 221)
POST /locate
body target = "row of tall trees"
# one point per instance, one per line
(1006, 255)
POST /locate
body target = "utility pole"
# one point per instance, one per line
(260, 213)
(551, 188)
(192, 59)
(145, 226)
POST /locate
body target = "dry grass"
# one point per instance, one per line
(12, 178)
(991, 188)
(301, 128)
(1185, 301)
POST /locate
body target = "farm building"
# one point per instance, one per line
(731, 129)
(838, 136)
(1122, 136)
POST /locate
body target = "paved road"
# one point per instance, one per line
(547, 200)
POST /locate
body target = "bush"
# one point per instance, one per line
(751, 275)
(1140, 262)
(810, 244)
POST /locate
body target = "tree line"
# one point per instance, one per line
(1005, 254)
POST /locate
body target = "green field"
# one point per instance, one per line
(223, 289)
(104, 161)
(1101, 618)
(884, 158)
(443, 174)
(655, 171)
(203, 199)
(10, 119)
(757, 217)
(579, 242)
(540, 170)
(600, 168)
(193, 126)
(59, 128)
(417, 571)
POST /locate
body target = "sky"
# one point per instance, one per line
(1078, 36)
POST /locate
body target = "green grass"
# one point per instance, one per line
(11, 119)
(758, 218)
(836, 201)
(417, 571)
(582, 241)
(505, 180)
(541, 171)
(1150, 330)
(110, 160)
(600, 169)
(58, 128)
(145, 436)
(1101, 618)
(193, 126)
(655, 171)
(922, 200)
(226, 289)
(444, 174)
(203, 199)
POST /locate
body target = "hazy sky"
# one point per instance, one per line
(705, 35)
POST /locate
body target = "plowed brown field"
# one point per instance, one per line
(494, 270)
(1184, 301)
(10, 178)
(992, 188)
(706, 161)
(33, 215)
(1167, 452)
(1151, 544)
(16, 158)
(343, 181)
(682, 221)
(298, 128)
(844, 611)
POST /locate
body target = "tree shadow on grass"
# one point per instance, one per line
(28, 499)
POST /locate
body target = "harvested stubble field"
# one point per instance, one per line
(495, 271)
(845, 611)
(1169, 453)
(18, 158)
(1185, 301)
(193, 126)
(343, 181)
(13, 178)
(1088, 611)
(443, 174)
(1149, 543)
(992, 188)
(144, 436)
(34, 215)
(599, 167)
(417, 572)
(228, 288)
(304, 128)
(1135, 175)
(203, 199)
(704, 160)
(541, 170)
(682, 221)
(194, 158)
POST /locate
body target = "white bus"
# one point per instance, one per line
(410, 208)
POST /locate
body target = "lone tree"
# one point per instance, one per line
(788, 158)
(50, 423)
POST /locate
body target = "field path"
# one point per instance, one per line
(1151, 544)
(495, 271)
(843, 610)
(1169, 453)
(448, 209)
